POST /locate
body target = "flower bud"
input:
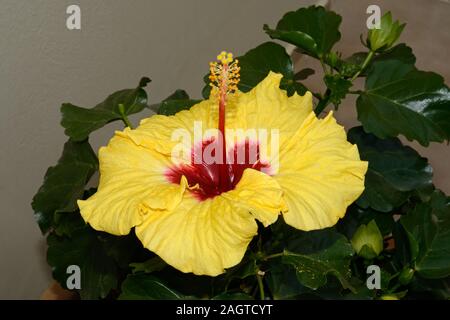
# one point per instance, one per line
(383, 38)
(368, 241)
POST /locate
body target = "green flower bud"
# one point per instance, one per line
(383, 38)
(368, 241)
(406, 276)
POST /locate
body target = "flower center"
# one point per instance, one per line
(207, 180)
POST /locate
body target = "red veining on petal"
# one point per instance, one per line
(208, 177)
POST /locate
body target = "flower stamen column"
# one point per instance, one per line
(224, 76)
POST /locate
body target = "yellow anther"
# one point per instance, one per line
(224, 74)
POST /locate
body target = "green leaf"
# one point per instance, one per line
(283, 283)
(424, 194)
(189, 284)
(428, 229)
(316, 254)
(431, 288)
(351, 65)
(149, 266)
(177, 101)
(338, 86)
(406, 276)
(86, 250)
(385, 279)
(394, 170)
(357, 58)
(64, 183)
(256, 65)
(67, 223)
(246, 268)
(400, 52)
(122, 249)
(146, 287)
(80, 122)
(361, 291)
(399, 99)
(357, 216)
(379, 195)
(313, 29)
(402, 255)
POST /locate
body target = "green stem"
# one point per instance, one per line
(127, 122)
(324, 67)
(259, 244)
(259, 277)
(364, 65)
(394, 288)
(323, 103)
(275, 255)
(124, 116)
(316, 95)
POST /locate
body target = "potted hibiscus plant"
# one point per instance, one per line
(255, 191)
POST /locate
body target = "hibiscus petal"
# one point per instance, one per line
(260, 194)
(320, 173)
(268, 107)
(164, 133)
(132, 183)
(203, 237)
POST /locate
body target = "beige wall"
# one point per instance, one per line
(42, 64)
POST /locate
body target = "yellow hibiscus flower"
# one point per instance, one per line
(199, 216)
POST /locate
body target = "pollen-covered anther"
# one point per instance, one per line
(224, 74)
